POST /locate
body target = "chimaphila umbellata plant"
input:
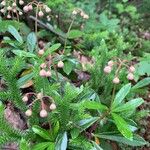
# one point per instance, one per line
(60, 115)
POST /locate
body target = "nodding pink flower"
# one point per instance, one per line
(41, 52)
(25, 9)
(41, 14)
(30, 7)
(43, 113)
(21, 2)
(131, 69)
(52, 106)
(110, 63)
(47, 9)
(3, 3)
(116, 80)
(48, 74)
(9, 8)
(130, 76)
(25, 98)
(14, 4)
(43, 65)
(42, 73)
(28, 112)
(107, 69)
(60, 64)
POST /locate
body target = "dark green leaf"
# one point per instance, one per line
(41, 132)
(68, 67)
(24, 54)
(52, 49)
(85, 123)
(62, 141)
(31, 41)
(137, 140)
(24, 145)
(94, 105)
(15, 33)
(43, 146)
(75, 34)
(122, 126)
(121, 95)
(131, 105)
(142, 83)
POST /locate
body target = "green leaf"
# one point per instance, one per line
(121, 95)
(137, 140)
(56, 128)
(43, 146)
(122, 126)
(94, 105)
(41, 132)
(52, 49)
(31, 41)
(75, 34)
(142, 83)
(24, 145)
(62, 141)
(24, 54)
(15, 33)
(51, 147)
(25, 79)
(68, 67)
(131, 105)
(5, 23)
(85, 123)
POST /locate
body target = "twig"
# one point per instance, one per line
(48, 27)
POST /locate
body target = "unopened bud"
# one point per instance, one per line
(60, 64)
(43, 113)
(107, 69)
(28, 112)
(130, 76)
(116, 80)
(52, 106)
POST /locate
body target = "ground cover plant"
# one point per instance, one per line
(74, 75)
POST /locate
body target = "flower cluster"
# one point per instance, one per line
(81, 13)
(41, 8)
(120, 64)
(44, 110)
(45, 67)
(11, 9)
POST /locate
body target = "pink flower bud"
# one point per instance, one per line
(20, 13)
(43, 65)
(41, 14)
(110, 63)
(8, 16)
(39, 95)
(74, 12)
(28, 112)
(130, 76)
(116, 80)
(42, 73)
(25, 9)
(9, 8)
(2, 10)
(41, 52)
(25, 98)
(43, 113)
(21, 2)
(52, 106)
(3, 3)
(30, 7)
(85, 16)
(60, 64)
(14, 4)
(107, 69)
(47, 9)
(131, 69)
(48, 74)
